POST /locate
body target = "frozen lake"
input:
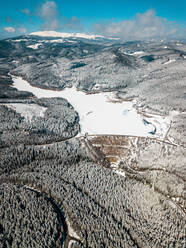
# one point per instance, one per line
(99, 115)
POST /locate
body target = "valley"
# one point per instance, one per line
(92, 142)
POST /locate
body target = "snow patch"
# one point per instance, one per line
(111, 38)
(19, 40)
(119, 172)
(35, 46)
(57, 41)
(161, 124)
(137, 53)
(170, 61)
(85, 51)
(133, 53)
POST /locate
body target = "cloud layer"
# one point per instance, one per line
(53, 20)
(12, 30)
(144, 26)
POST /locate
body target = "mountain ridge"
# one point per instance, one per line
(65, 35)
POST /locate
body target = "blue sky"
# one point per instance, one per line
(109, 17)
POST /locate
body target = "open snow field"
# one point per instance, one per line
(99, 115)
(28, 111)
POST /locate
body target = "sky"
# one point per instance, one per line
(126, 19)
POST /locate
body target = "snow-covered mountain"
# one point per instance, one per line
(93, 63)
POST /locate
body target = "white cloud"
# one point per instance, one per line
(49, 10)
(49, 13)
(144, 26)
(9, 29)
(53, 20)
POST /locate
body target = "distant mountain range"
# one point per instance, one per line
(65, 35)
(94, 63)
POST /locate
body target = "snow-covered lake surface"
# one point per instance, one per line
(99, 115)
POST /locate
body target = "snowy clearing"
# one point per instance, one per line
(99, 115)
(36, 46)
(137, 53)
(28, 111)
(119, 172)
